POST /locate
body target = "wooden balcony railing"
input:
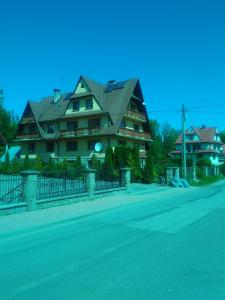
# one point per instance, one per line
(27, 136)
(79, 132)
(135, 134)
(27, 119)
(135, 115)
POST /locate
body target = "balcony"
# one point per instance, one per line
(134, 134)
(28, 136)
(79, 132)
(27, 119)
(135, 115)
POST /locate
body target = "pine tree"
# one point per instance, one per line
(15, 166)
(149, 171)
(78, 167)
(38, 163)
(6, 165)
(26, 163)
(135, 164)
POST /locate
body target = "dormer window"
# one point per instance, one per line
(89, 104)
(32, 129)
(76, 106)
(50, 128)
(133, 106)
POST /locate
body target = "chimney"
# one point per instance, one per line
(57, 95)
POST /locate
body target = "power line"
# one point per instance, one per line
(205, 106)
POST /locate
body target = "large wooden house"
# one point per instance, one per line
(67, 125)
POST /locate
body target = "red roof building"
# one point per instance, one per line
(201, 142)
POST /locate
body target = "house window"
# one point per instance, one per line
(50, 147)
(71, 146)
(72, 125)
(93, 123)
(32, 129)
(31, 147)
(133, 106)
(136, 127)
(50, 128)
(91, 144)
(89, 104)
(123, 124)
(76, 105)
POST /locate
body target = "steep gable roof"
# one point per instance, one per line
(113, 101)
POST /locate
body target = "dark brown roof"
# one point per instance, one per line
(113, 103)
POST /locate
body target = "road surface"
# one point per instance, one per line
(170, 248)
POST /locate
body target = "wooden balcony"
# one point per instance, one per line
(134, 134)
(28, 136)
(134, 115)
(27, 120)
(79, 132)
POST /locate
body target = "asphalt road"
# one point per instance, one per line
(164, 249)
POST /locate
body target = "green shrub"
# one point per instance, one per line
(149, 170)
(222, 169)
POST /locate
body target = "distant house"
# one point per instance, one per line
(67, 125)
(201, 142)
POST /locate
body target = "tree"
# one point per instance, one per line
(6, 167)
(38, 163)
(108, 162)
(95, 163)
(8, 125)
(203, 162)
(169, 136)
(78, 167)
(149, 170)
(135, 165)
(15, 166)
(26, 162)
(222, 136)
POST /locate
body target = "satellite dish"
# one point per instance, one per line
(98, 147)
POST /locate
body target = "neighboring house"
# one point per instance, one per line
(201, 142)
(65, 126)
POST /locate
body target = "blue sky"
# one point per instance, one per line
(176, 48)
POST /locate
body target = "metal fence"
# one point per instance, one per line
(11, 189)
(105, 179)
(51, 185)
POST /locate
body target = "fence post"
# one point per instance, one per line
(30, 188)
(90, 180)
(125, 176)
(169, 175)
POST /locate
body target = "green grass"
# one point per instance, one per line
(207, 180)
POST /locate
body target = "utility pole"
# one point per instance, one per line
(184, 164)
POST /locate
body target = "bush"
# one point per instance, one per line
(201, 162)
(26, 163)
(222, 169)
(38, 163)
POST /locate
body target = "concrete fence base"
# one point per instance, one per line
(31, 202)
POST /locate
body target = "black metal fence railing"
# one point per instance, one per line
(11, 189)
(51, 185)
(108, 180)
